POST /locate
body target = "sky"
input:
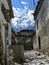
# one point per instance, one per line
(23, 14)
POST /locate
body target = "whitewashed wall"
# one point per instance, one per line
(3, 21)
(5, 3)
(42, 18)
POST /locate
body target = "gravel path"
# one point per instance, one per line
(35, 58)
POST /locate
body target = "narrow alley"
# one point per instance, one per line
(24, 32)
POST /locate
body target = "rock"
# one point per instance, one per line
(41, 57)
(27, 60)
(36, 58)
(16, 64)
(25, 64)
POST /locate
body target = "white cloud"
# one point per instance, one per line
(30, 14)
(14, 22)
(22, 18)
(16, 12)
(23, 25)
(22, 2)
(25, 7)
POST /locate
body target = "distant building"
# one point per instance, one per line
(6, 15)
(41, 16)
(25, 38)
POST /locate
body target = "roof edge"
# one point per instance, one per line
(10, 7)
(38, 7)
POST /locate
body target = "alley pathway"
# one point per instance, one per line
(35, 58)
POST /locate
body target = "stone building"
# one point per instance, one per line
(41, 17)
(25, 38)
(34, 41)
(6, 14)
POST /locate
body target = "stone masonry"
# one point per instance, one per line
(42, 27)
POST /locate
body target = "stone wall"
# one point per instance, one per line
(17, 54)
(24, 38)
(34, 42)
(43, 27)
(45, 39)
(27, 42)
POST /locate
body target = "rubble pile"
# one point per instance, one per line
(35, 58)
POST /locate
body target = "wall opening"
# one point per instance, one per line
(39, 42)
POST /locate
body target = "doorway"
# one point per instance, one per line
(39, 42)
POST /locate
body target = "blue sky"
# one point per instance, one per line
(21, 3)
(23, 18)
